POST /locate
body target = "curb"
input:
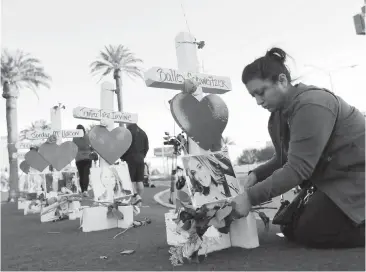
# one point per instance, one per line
(162, 203)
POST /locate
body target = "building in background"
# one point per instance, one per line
(360, 21)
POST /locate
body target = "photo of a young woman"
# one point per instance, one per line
(211, 178)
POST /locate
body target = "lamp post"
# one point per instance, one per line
(330, 72)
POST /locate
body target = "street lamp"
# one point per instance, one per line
(330, 72)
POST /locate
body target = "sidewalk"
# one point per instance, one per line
(163, 198)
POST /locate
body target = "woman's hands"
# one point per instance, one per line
(241, 204)
(249, 180)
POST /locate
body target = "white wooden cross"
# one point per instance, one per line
(188, 68)
(56, 129)
(106, 114)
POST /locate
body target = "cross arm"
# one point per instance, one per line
(158, 77)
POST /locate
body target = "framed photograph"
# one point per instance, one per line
(210, 178)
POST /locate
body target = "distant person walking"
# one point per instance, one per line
(83, 160)
(135, 158)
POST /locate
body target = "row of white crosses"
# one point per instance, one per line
(56, 130)
(188, 68)
(106, 115)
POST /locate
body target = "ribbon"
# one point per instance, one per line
(52, 139)
(61, 199)
(114, 212)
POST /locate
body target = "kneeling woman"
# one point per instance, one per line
(320, 144)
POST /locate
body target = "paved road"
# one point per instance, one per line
(26, 244)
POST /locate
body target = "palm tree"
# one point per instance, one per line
(117, 60)
(18, 71)
(40, 124)
(227, 141)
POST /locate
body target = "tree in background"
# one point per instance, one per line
(227, 141)
(18, 71)
(265, 154)
(251, 156)
(40, 124)
(117, 60)
(248, 156)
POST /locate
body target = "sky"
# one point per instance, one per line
(68, 35)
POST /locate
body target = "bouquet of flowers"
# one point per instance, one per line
(59, 205)
(113, 206)
(196, 222)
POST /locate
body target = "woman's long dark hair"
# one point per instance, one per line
(81, 127)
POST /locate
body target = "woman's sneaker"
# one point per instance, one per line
(85, 194)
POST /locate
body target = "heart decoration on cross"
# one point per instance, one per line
(25, 167)
(35, 160)
(110, 145)
(204, 121)
(58, 155)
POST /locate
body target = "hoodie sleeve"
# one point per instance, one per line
(265, 170)
(310, 129)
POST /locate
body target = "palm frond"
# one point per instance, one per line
(43, 124)
(133, 74)
(22, 70)
(228, 141)
(99, 65)
(114, 58)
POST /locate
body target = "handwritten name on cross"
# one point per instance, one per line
(157, 77)
(100, 114)
(44, 134)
